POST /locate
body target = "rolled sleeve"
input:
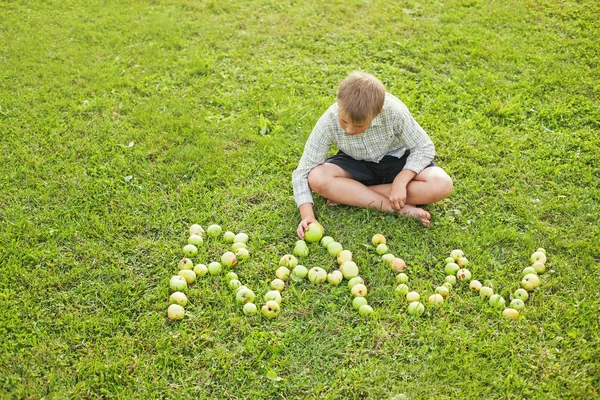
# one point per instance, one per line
(415, 139)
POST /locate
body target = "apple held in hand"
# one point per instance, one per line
(214, 231)
(195, 240)
(314, 233)
(249, 309)
(283, 273)
(415, 308)
(359, 301)
(175, 312)
(185, 263)
(317, 275)
(530, 282)
(288, 261)
(349, 269)
(271, 309)
(178, 298)
(335, 277)
(178, 283)
(229, 259)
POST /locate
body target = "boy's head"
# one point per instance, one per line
(360, 99)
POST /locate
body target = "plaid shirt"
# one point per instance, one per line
(392, 132)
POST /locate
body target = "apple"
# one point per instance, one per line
(270, 309)
(242, 254)
(288, 261)
(189, 250)
(449, 260)
(283, 273)
(398, 264)
(274, 295)
(214, 268)
(277, 284)
(243, 296)
(475, 285)
(528, 270)
(497, 301)
(413, 296)
(249, 309)
(175, 312)
(229, 259)
(196, 229)
(236, 246)
(326, 240)
(541, 250)
(185, 263)
(178, 298)
(416, 308)
(436, 299)
(463, 274)
(517, 304)
(335, 277)
(510, 313)
(365, 310)
(214, 231)
(521, 294)
(359, 290)
(299, 272)
(388, 259)
(200, 270)
(228, 237)
(447, 285)
(196, 240)
(301, 249)
(381, 249)
(354, 281)
(444, 291)
(234, 284)
(334, 248)
(451, 268)
(178, 283)
(451, 279)
(231, 276)
(456, 254)
(243, 287)
(241, 238)
(188, 275)
(538, 267)
(402, 278)
(538, 256)
(486, 292)
(530, 282)
(314, 233)
(378, 239)
(359, 301)
(401, 290)
(317, 275)
(343, 256)
(462, 262)
(349, 269)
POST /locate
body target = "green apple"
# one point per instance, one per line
(229, 259)
(447, 285)
(326, 240)
(451, 268)
(343, 256)
(185, 263)
(314, 233)
(528, 270)
(178, 283)
(274, 295)
(541, 250)
(214, 268)
(462, 262)
(358, 301)
(538, 256)
(349, 269)
(449, 260)
(517, 304)
(521, 294)
(317, 275)
(335, 277)
(189, 250)
(282, 273)
(401, 290)
(354, 281)
(234, 284)
(334, 248)
(231, 276)
(200, 270)
(228, 237)
(381, 249)
(214, 231)
(463, 274)
(239, 245)
(288, 261)
(510, 313)
(175, 312)
(398, 264)
(249, 309)
(243, 296)
(299, 272)
(538, 267)
(195, 240)
(530, 282)
(444, 291)
(241, 238)
(196, 229)
(486, 292)
(178, 298)
(436, 299)
(401, 278)
(451, 279)
(242, 254)
(456, 254)
(243, 287)
(301, 249)
(359, 290)
(277, 284)
(413, 296)
(475, 285)
(365, 310)
(188, 275)
(271, 309)
(497, 301)
(378, 239)
(415, 308)
(388, 259)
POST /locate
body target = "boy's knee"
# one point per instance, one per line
(317, 180)
(444, 184)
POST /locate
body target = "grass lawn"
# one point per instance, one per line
(124, 122)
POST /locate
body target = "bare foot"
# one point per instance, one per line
(416, 213)
(332, 203)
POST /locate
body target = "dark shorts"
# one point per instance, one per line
(372, 173)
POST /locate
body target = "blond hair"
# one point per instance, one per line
(361, 96)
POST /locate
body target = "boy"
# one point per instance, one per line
(385, 158)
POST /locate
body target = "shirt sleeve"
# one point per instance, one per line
(415, 139)
(315, 153)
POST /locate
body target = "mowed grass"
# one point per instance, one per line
(122, 123)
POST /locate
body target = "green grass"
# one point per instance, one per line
(217, 99)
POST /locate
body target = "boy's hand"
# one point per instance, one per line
(303, 226)
(398, 196)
